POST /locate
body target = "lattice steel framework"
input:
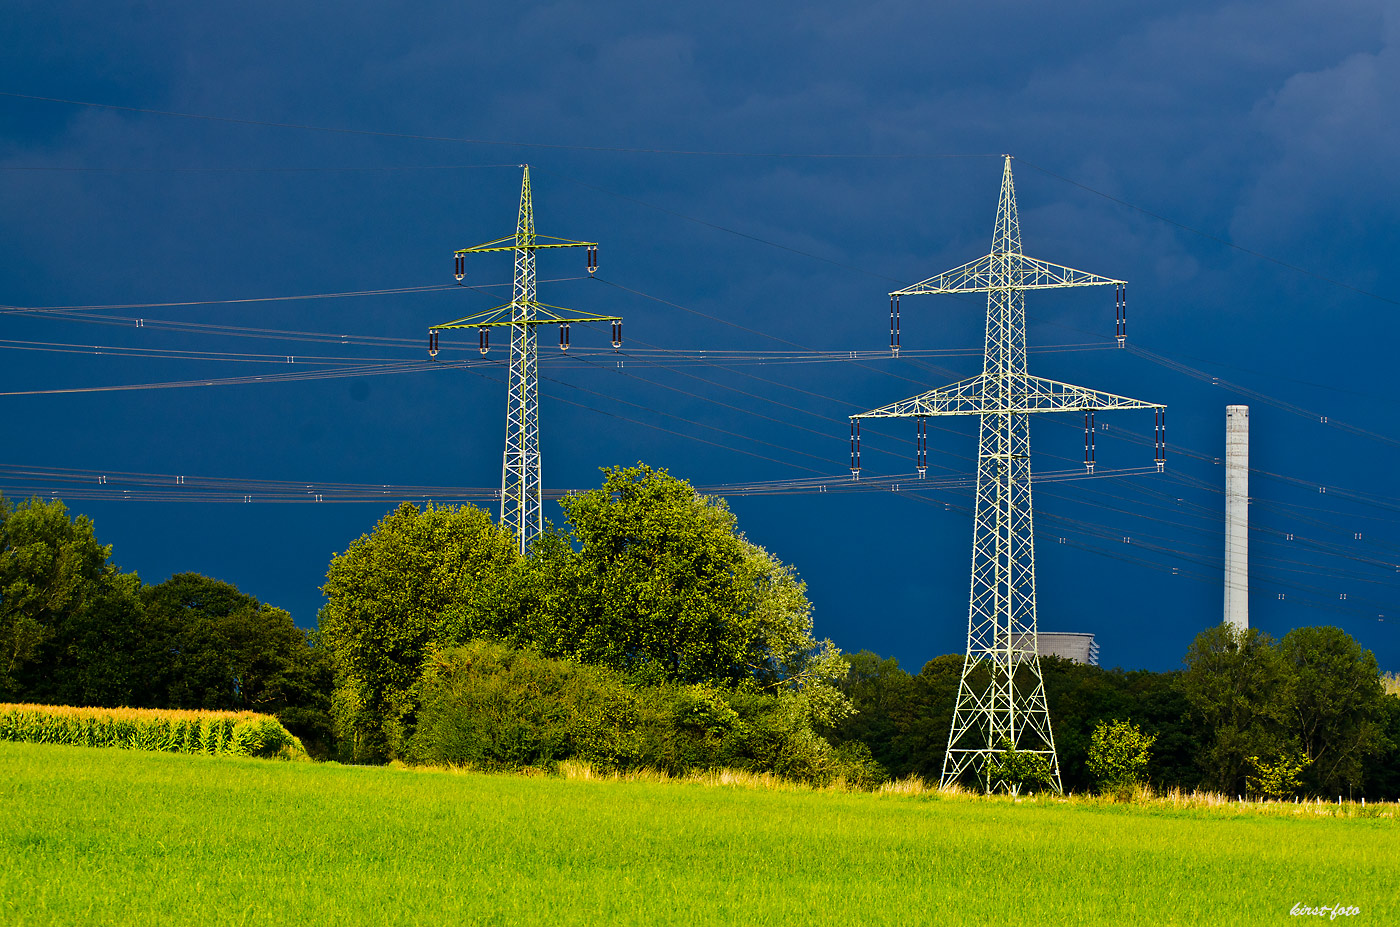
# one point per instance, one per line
(1001, 697)
(522, 508)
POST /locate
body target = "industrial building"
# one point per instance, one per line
(1081, 648)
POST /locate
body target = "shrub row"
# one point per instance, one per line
(490, 707)
(224, 733)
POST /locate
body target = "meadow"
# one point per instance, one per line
(92, 836)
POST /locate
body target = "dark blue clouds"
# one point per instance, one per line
(1271, 124)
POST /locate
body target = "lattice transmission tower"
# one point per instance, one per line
(522, 508)
(1001, 696)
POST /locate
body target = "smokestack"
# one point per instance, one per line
(1237, 516)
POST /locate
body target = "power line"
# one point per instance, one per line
(1245, 391)
(387, 291)
(359, 370)
(23, 168)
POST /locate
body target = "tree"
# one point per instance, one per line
(662, 585)
(76, 631)
(228, 651)
(1118, 756)
(1241, 690)
(902, 719)
(51, 570)
(103, 654)
(881, 694)
(1278, 779)
(1336, 708)
(1014, 770)
(652, 579)
(423, 579)
(1082, 696)
(1383, 771)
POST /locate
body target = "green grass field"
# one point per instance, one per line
(96, 837)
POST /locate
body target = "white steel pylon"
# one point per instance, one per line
(522, 507)
(1001, 697)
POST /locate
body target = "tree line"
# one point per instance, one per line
(1306, 714)
(649, 584)
(76, 630)
(645, 631)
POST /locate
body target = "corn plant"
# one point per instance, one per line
(214, 733)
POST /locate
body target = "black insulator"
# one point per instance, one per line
(894, 325)
(617, 335)
(433, 343)
(1089, 440)
(855, 448)
(1122, 313)
(564, 337)
(485, 337)
(461, 266)
(592, 258)
(921, 447)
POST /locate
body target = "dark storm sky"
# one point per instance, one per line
(1173, 130)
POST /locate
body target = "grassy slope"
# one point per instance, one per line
(115, 837)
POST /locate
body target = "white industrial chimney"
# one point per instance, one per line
(1237, 516)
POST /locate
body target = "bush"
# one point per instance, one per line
(263, 735)
(1278, 779)
(490, 707)
(1016, 770)
(1118, 757)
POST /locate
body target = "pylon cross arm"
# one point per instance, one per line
(544, 314)
(1000, 395)
(510, 244)
(1005, 272)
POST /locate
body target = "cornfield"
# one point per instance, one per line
(223, 733)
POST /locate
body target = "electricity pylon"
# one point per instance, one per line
(1001, 696)
(522, 508)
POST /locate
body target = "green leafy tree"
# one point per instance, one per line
(230, 651)
(1119, 753)
(103, 654)
(1382, 779)
(881, 694)
(662, 583)
(423, 579)
(659, 583)
(1242, 692)
(1016, 771)
(651, 579)
(1337, 711)
(902, 719)
(1279, 778)
(51, 570)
